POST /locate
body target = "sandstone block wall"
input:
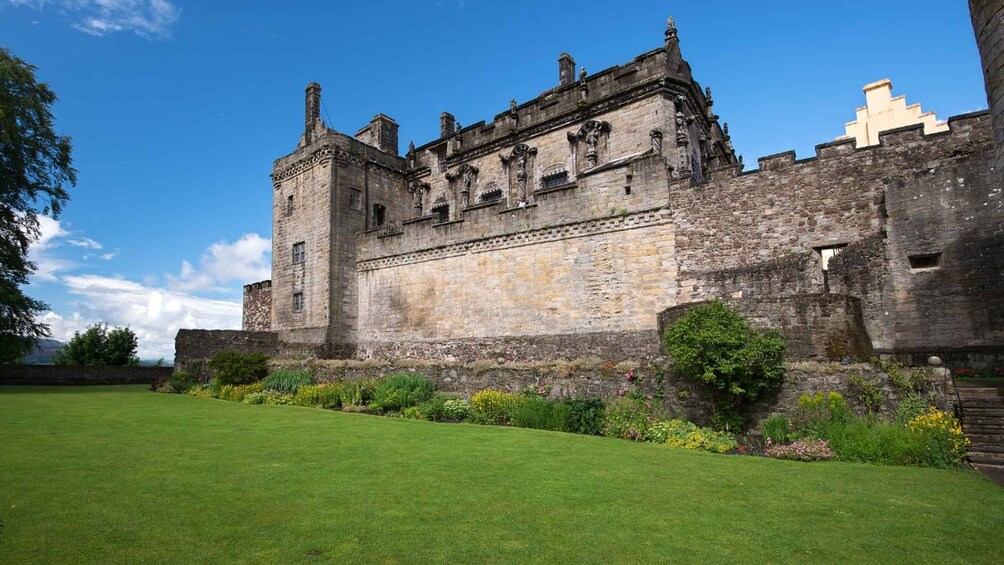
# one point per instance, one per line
(193, 347)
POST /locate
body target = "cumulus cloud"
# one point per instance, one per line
(86, 243)
(154, 314)
(42, 252)
(152, 19)
(246, 260)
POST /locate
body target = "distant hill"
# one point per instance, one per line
(43, 352)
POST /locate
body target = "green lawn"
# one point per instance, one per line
(123, 475)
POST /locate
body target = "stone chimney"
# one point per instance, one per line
(447, 124)
(566, 70)
(380, 133)
(313, 111)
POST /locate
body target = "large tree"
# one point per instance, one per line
(99, 346)
(35, 169)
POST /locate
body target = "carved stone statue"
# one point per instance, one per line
(589, 133)
(670, 29)
(582, 74)
(513, 113)
(682, 138)
(411, 155)
(417, 190)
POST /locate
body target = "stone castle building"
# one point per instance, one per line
(574, 224)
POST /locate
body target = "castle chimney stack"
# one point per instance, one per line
(313, 110)
(566, 70)
(447, 124)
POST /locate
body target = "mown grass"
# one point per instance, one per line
(123, 475)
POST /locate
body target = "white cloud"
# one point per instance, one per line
(154, 314)
(47, 265)
(152, 19)
(246, 260)
(86, 243)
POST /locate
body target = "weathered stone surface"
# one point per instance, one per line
(50, 375)
(257, 306)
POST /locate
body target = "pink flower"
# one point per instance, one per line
(621, 392)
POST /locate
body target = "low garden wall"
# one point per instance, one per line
(594, 377)
(68, 375)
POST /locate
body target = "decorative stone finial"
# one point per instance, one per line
(670, 29)
(582, 74)
(725, 129)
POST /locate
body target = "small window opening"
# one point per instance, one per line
(379, 215)
(555, 179)
(298, 302)
(289, 204)
(492, 193)
(442, 214)
(825, 254)
(299, 253)
(355, 199)
(627, 190)
(926, 261)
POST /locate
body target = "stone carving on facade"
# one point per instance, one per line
(418, 190)
(590, 135)
(656, 136)
(583, 87)
(671, 33)
(441, 206)
(519, 164)
(513, 113)
(464, 177)
(411, 155)
(458, 137)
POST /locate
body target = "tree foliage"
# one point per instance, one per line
(715, 346)
(35, 168)
(99, 346)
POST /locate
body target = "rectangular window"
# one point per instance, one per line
(825, 254)
(289, 205)
(299, 253)
(927, 261)
(556, 179)
(298, 302)
(379, 213)
(355, 199)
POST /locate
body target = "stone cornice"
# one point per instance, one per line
(322, 155)
(608, 224)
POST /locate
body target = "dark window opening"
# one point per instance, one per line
(926, 261)
(379, 215)
(442, 214)
(492, 193)
(299, 253)
(298, 302)
(555, 179)
(627, 190)
(289, 205)
(355, 199)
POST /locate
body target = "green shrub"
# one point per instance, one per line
(540, 413)
(202, 391)
(320, 396)
(413, 413)
(181, 381)
(456, 409)
(585, 416)
(494, 406)
(434, 408)
(866, 440)
(402, 390)
(236, 368)
(947, 443)
(680, 433)
(239, 392)
(715, 346)
(869, 393)
(287, 380)
(357, 393)
(909, 408)
(628, 418)
(817, 413)
(278, 398)
(777, 428)
(257, 397)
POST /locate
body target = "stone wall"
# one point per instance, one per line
(814, 326)
(193, 347)
(988, 23)
(66, 375)
(257, 311)
(593, 377)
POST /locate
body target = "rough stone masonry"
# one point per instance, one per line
(566, 224)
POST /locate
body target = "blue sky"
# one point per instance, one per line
(178, 108)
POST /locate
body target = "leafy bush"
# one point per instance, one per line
(402, 390)
(320, 396)
(239, 392)
(99, 346)
(255, 398)
(687, 435)
(628, 418)
(236, 368)
(181, 381)
(357, 393)
(202, 391)
(494, 406)
(287, 380)
(413, 413)
(817, 413)
(802, 450)
(869, 393)
(456, 409)
(866, 440)
(909, 408)
(585, 416)
(540, 413)
(947, 444)
(777, 429)
(278, 398)
(714, 346)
